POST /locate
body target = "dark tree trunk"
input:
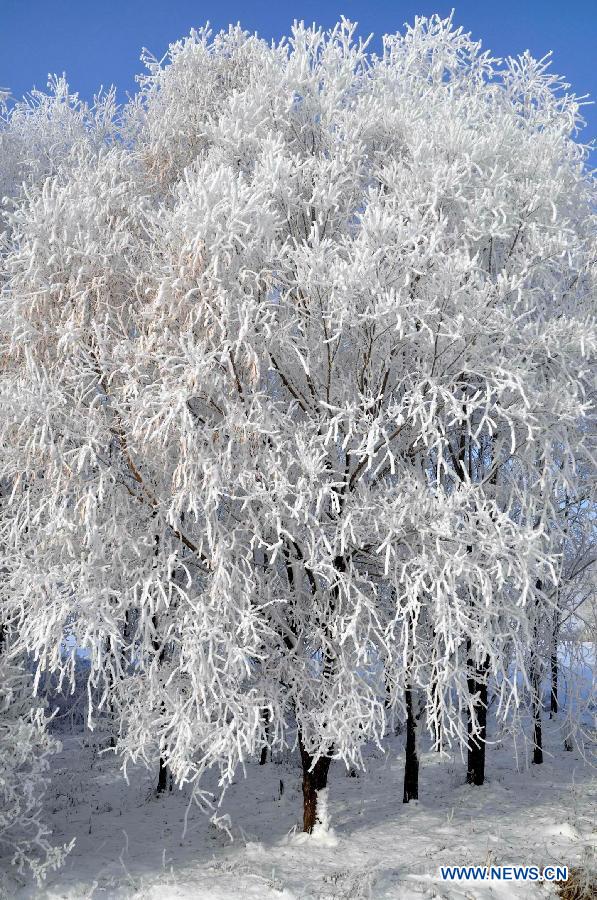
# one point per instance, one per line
(477, 684)
(263, 757)
(163, 773)
(537, 735)
(536, 696)
(477, 675)
(315, 775)
(553, 708)
(315, 779)
(112, 735)
(553, 705)
(110, 705)
(164, 778)
(411, 761)
(437, 728)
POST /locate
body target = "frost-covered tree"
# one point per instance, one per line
(569, 632)
(25, 751)
(294, 378)
(38, 132)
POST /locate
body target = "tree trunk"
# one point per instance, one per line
(536, 695)
(315, 779)
(477, 684)
(164, 778)
(477, 675)
(437, 728)
(315, 775)
(110, 704)
(164, 781)
(164, 775)
(536, 704)
(112, 735)
(411, 761)
(553, 705)
(263, 757)
(553, 708)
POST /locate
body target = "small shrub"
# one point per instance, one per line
(581, 885)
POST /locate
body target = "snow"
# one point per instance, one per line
(130, 844)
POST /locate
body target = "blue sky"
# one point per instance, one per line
(99, 41)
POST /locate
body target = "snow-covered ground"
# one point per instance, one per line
(129, 844)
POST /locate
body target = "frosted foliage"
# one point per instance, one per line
(25, 748)
(39, 132)
(294, 380)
